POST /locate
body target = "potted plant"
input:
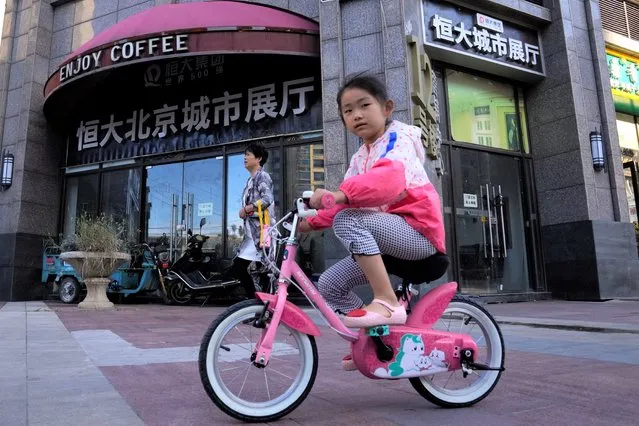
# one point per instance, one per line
(95, 250)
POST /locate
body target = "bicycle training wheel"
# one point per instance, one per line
(236, 385)
(451, 389)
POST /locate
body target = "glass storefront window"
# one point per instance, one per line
(303, 173)
(203, 196)
(236, 181)
(120, 198)
(630, 194)
(484, 112)
(523, 120)
(81, 197)
(627, 131)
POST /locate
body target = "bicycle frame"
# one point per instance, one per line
(284, 310)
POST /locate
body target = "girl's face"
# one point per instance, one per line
(250, 161)
(364, 115)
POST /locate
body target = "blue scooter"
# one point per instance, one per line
(143, 275)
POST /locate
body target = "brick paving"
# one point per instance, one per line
(537, 388)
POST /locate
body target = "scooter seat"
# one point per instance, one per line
(417, 271)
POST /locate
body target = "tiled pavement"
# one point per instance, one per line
(138, 363)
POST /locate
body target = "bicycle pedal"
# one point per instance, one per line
(378, 331)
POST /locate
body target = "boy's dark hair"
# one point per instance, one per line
(368, 83)
(258, 150)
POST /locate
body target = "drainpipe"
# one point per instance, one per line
(605, 129)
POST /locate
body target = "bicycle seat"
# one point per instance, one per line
(417, 271)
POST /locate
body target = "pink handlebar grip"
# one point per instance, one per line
(328, 201)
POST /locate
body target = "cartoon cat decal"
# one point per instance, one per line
(410, 350)
(411, 360)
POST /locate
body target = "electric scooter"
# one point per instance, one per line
(196, 272)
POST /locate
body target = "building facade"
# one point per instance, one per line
(142, 110)
(621, 34)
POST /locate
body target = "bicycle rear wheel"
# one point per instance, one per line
(236, 385)
(452, 389)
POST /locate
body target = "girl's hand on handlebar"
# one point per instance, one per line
(316, 200)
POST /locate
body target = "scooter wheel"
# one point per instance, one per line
(179, 294)
(69, 290)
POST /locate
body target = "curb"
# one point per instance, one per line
(587, 326)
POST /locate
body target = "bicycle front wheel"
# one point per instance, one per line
(236, 385)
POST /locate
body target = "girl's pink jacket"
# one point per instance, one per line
(389, 176)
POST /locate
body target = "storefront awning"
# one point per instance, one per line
(177, 30)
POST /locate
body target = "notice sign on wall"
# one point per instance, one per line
(204, 209)
(470, 200)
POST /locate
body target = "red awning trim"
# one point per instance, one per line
(202, 43)
(212, 28)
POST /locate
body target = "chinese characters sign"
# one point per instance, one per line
(183, 70)
(624, 75)
(449, 29)
(223, 109)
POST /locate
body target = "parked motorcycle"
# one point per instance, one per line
(144, 275)
(197, 273)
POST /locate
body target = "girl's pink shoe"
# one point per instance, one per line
(348, 364)
(361, 318)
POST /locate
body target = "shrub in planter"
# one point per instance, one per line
(96, 249)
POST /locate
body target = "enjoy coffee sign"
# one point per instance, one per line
(125, 51)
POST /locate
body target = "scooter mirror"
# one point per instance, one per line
(202, 223)
(189, 233)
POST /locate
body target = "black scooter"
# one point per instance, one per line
(197, 273)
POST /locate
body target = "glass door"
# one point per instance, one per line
(163, 193)
(203, 198)
(489, 222)
(178, 197)
(631, 174)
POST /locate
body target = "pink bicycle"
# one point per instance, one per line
(258, 360)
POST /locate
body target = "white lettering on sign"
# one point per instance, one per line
(128, 50)
(470, 200)
(231, 110)
(80, 65)
(484, 41)
(137, 129)
(165, 120)
(302, 88)
(489, 23)
(204, 209)
(260, 102)
(184, 70)
(196, 114)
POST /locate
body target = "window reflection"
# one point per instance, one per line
(203, 197)
(236, 181)
(627, 131)
(305, 172)
(120, 198)
(81, 197)
(483, 112)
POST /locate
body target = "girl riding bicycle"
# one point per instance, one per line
(385, 205)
